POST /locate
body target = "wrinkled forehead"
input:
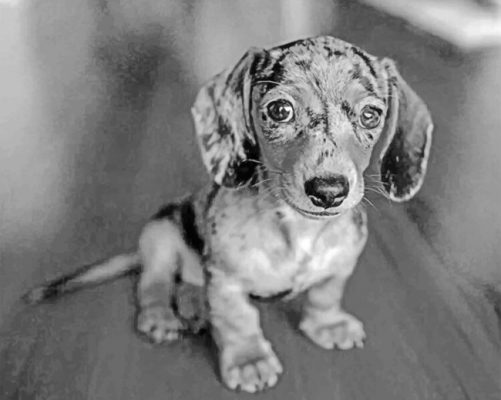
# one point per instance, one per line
(325, 63)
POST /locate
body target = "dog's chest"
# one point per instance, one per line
(273, 254)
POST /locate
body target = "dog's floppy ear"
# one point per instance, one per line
(406, 139)
(221, 113)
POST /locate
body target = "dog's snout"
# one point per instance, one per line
(327, 192)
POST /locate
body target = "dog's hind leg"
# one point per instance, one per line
(163, 250)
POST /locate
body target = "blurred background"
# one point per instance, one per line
(96, 133)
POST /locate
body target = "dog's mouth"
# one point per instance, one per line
(307, 213)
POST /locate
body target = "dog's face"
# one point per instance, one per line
(317, 116)
(311, 113)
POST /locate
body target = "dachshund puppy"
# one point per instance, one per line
(286, 136)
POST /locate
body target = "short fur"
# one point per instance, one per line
(256, 231)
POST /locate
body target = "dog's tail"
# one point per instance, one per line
(88, 275)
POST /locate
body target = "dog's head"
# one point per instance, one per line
(312, 113)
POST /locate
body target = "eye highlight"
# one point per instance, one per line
(370, 117)
(280, 110)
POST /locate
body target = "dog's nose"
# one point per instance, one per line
(327, 192)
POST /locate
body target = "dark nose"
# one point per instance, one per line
(327, 192)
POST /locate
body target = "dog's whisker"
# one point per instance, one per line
(262, 181)
(266, 81)
(374, 189)
(255, 161)
(274, 172)
(273, 191)
(374, 178)
(377, 191)
(376, 184)
(257, 184)
(380, 190)
(265, 167)
(270, 190)
(370, 203)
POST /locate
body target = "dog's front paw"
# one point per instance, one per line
(252, 366)
(344, 332)
(159, 323)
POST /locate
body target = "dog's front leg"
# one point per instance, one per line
(246, 359)
(325, 322)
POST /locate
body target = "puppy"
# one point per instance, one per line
(286, 135)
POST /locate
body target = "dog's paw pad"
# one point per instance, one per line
(345, 333)
(250, 371)
(159, 324)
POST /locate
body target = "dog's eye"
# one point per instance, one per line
(370, 117)
(280, 110)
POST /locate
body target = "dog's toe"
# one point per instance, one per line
(345, 333)
(159, 324)
(250, 371)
